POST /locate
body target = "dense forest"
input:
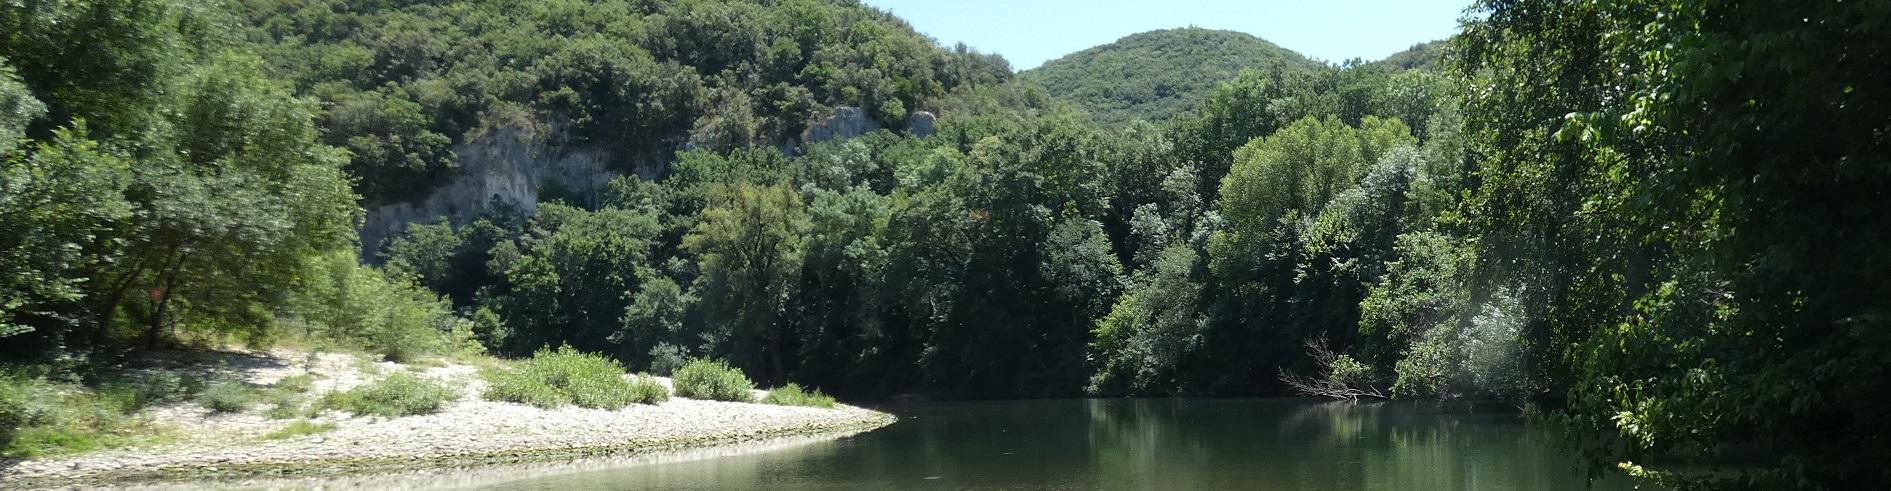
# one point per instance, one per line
(1658, 225)
(1155, 75)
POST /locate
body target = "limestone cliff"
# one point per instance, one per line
(517, 163)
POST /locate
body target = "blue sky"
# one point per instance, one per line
(1030, 32)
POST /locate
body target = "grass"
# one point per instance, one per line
(299, 428)
(296, 383)
(400, 394)
(43, 418)
(552, 379)
(793, 395)
(713, 380)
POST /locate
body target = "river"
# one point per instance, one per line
(1269, 444)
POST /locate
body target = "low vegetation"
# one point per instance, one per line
(40, 417)
(228, 397)
(557, 378)
(713, 380)
(399, 394)
(287, 397)
(793, 395)
(299, 428)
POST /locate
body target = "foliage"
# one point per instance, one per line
(1154, 328)
(405, 81)
(385, 315)
(750, 246)
(712, 380)
(555, 378)
(1660, 222)
(1155, 75)
(569, 283)
(793, 395)
(398, 394)
(39, 418)
(227, 397)
(1692, 189)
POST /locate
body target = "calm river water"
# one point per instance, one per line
(1263, 444)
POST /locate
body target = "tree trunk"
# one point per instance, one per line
(161, 300)
(774, 357)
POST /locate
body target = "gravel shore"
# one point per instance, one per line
(469, 432)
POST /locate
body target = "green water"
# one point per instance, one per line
(1165, 444)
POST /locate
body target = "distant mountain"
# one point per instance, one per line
(1157, 74)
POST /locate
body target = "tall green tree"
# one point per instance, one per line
(751, 245)
(1695, 189)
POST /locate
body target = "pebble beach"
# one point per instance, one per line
(470, 431)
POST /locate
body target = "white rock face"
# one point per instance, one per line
(921, 123)
(512, 164)
(847, 122)
(516, 163)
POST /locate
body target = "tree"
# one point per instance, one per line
(59, 205)
(1155, 329)
(575, 275)
(1694, 189)
(750, 244)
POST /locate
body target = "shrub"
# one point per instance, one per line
(283, 403)
(227, 397)
(553, 379)
(299, 428)
(646, 389)
(793, 395)
(665, 358)
(713, 380)
(389, 316)
(400, 394)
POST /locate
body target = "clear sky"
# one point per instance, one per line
(1030, 32)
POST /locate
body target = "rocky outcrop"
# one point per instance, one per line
(847, 122)
(513, 164)
(517, 163)
(921, 123)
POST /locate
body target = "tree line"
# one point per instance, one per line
(1652, 223)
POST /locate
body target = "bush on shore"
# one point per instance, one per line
(714, 380)
(552, 379)
(381, 313)
(227, 397)
(793, 395)
(400, 394)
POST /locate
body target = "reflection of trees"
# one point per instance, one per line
(1147, 444)
(1284, 444)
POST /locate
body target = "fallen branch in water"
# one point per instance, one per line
(1341, 377)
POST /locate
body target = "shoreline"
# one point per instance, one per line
(471, 433)
(394, 466)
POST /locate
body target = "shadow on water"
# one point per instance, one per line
(1278, 444)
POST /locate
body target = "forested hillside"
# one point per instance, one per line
(401, 82)
(1658, 225)
(1155, 75)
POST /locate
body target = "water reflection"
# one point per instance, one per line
(1124, 444)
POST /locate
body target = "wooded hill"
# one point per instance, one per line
(1656, 222)
(1155, 75)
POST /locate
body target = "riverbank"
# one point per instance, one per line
(468, 431)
